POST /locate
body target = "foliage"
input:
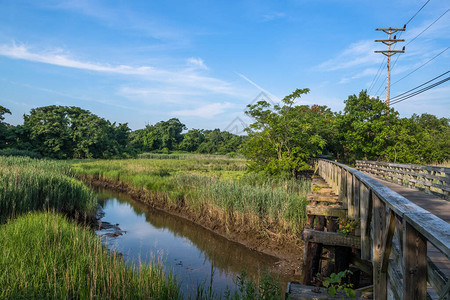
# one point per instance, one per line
(268, 287)
(367, 131)
(4, 128)
(18, 152)
(31, 184)
(283, 138)
(46, 256)
(215, 182)
(366, 128)
(335, 284)
(71, 132)
(347, 226)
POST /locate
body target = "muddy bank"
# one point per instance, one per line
(262, 238)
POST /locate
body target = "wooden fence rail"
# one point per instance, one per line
(430, 179)
(394, 234)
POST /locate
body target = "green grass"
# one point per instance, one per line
(221, 183)
(46, 256)
(31, 184)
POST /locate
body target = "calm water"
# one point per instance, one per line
(188, 249)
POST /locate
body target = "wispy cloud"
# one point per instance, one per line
(187, 77)
(197, 63)
(207, 111)
(366, 72)
(357, 54)
(273, 16)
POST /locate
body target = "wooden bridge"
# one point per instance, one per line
(403, 247)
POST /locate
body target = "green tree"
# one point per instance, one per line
(4, 128)
(367, 128)
(192, 140)
(283, 138)
(72, 132)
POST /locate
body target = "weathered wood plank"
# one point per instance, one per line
(379, 229)
(414, 263)
(332, 238)
(322, 198)
(395, 279)
(326, 211)
(408, 166)
(436, 230)
(436, 277)
(363, 265)
(365, 213)
(387, 243)
(312, 253)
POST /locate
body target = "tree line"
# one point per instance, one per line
(281, 140)
(285, 136)
(64, 132)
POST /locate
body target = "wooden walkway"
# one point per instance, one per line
(437, 206)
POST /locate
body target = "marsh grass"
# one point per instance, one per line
(46, 256)
(31, 184)
(220, 184)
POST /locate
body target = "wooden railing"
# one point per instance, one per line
(431, 179)
(395, 234)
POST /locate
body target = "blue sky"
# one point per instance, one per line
(203, 61)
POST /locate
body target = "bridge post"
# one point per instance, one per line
(414, 263)
(379, 228)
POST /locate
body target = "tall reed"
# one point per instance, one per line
(31, 184)
(46, 256)
(222, 183)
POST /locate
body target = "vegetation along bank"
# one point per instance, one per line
(264, 213)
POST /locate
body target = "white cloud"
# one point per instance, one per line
(197, 63)
(357, 54)
(273, 16)
(186, 77)
(207, 111)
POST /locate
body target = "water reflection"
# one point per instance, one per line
(187, 248)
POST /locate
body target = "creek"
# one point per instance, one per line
(142, 234)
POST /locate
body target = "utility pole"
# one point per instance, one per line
(389, 42)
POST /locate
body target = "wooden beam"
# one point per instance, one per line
(437, 278)
(363, 265)
(387, 244)
(414, 263)
(312, 253)
(322, 198)
(379, 228)
(332, 238)
(365, 213)
(326, 211)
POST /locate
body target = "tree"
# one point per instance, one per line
(192, 140)
(4, 128)
(72, 132)
(283, 138)
(367, 128)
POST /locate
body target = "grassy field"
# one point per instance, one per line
(46, 256)
(31, 184)
(215, 182)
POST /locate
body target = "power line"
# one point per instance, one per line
(376, 78)
(393, 98)
(427, 27)
(417, 12)
(421, 66)
(421, 91)
(396, 59)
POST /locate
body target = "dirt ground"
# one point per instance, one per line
(262, 238)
